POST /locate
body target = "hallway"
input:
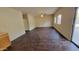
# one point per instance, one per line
(42, 39)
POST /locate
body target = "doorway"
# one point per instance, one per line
(75, 37)
(26, 22)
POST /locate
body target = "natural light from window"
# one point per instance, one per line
(59, 19)
(55, 21)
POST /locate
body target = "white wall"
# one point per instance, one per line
(11, 21)
(66, 21)
(31, 21)
(26, 24)
(46, 21)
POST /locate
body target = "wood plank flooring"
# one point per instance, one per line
(42, 39)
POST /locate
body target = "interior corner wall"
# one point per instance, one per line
(66, 22)
(46, 21)
(31, 21)
(26, 24)
(11, 21)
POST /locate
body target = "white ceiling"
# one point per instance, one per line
(37, 10)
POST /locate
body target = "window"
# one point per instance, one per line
(59, 19)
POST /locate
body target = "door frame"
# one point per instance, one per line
(73, 23)
(73, 26)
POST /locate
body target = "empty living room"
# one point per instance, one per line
(39, 29)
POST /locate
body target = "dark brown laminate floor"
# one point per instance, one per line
(42, 39)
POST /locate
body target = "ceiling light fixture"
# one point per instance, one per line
(42, 15)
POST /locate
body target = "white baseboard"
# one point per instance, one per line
(13, 38)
